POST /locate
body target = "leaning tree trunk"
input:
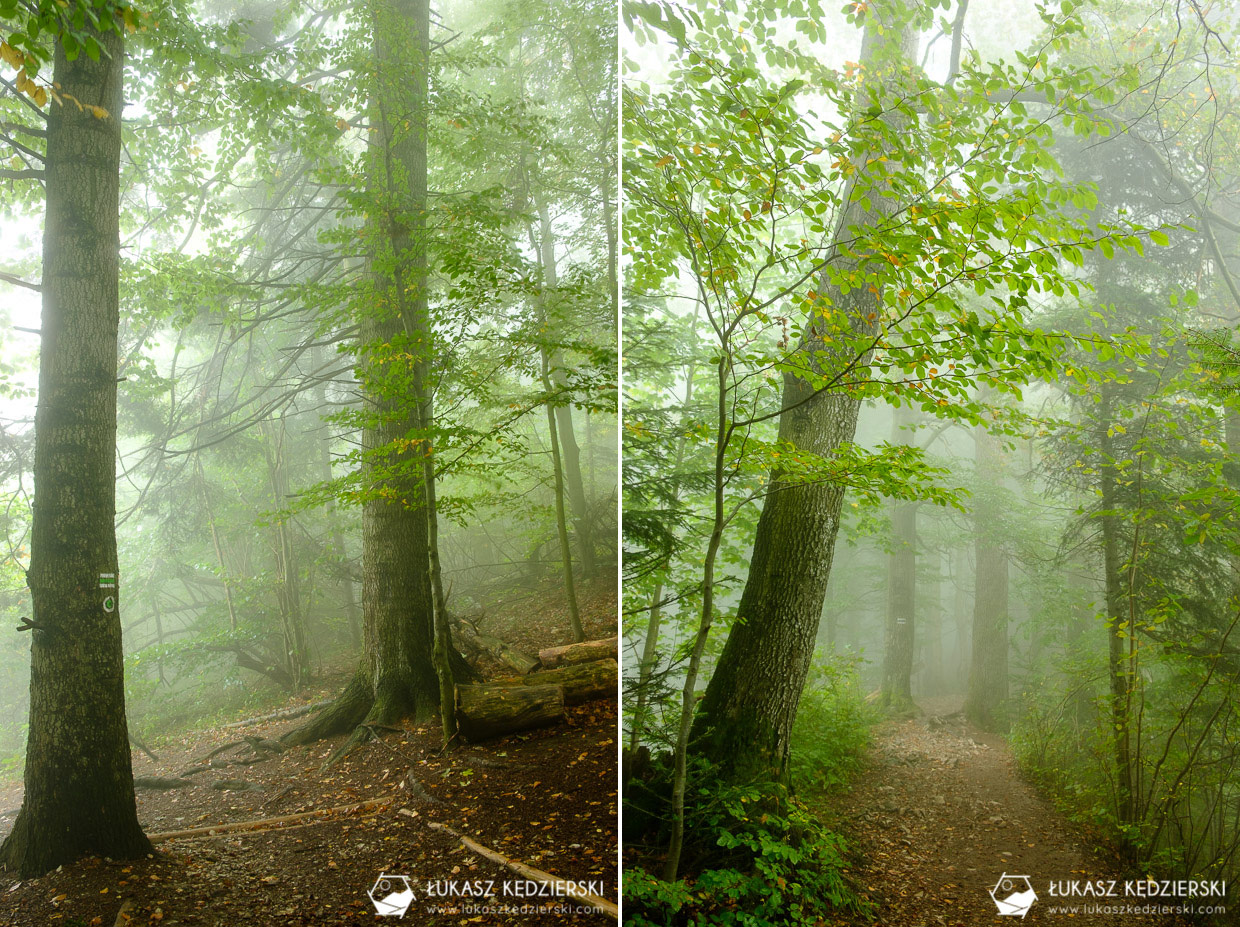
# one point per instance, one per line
(744, 721)
(988, 672)
(79, 795)
(897, 686)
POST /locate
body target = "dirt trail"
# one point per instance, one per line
(941, 813)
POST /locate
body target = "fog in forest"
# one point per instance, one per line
(362, 423)
(930, 458)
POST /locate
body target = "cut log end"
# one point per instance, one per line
(585, 652)
(582, 682)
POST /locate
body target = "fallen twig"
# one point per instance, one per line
(265, 824)
(602, 905)
(281, 715)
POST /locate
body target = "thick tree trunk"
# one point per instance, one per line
(79, 795)
(988, 673)
(397, 598)
(897, 687)
(396, 678)
(744, 721)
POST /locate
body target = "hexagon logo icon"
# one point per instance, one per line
(1013, 895)
(391, 895)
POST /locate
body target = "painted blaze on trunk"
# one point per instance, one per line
(79, 795)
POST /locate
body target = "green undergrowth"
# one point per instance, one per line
(832, 728)
(756, 855)
(772, 864)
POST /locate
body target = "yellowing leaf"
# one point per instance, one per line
(664, 161)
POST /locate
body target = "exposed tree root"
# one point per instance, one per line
(341, 714)
(357, 710)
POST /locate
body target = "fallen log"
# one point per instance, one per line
(268, 823)
(584, 652)
(501, 650)
(582, 682)
(159, 783)
(489, 711)
(564, 888)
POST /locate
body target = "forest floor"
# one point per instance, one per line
(941, 813)
(545, 798)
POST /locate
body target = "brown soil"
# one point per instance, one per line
(545, 798)
(941, 813)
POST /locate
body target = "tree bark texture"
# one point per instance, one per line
(745, 718)
(397, 602)
(582, 682)
(484, 712)
(582, 652)
(79, 795)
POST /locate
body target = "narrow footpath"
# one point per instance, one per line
(941, 815)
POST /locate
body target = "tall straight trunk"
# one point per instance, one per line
(688, 691)
(650, 644)
(932, 674)
(396, 677)
(414, 303)
(215, 542)
(352, 614)
(960, 613)
(745, 718)
(566, 555)
(1118, 627)
(988, 672)
(570, 453)
(397, 599)
(288, 589)
(897, 687)
(79, 796)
